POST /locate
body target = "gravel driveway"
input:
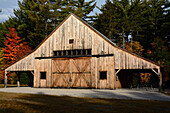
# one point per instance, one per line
(92, 93)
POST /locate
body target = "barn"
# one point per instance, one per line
(77, 55)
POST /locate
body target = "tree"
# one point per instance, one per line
(22, 50)
(32, 19)
(11, 43)
(3, 32)
(120, 19)
(134, 47)
(160, 53)
(2, 65)
(83, 9)
(14, 48)
(155, 23)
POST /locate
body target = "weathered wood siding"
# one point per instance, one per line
(84, 38)
(25, 64)
(43, 65)
(103, 64)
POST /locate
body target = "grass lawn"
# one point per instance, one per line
(10, 85)
(12, 102)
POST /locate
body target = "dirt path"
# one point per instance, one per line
(92, 93)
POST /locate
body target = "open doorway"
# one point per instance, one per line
(138, 78)
(20, 79)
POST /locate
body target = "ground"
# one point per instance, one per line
(93, 93)
(11, 102)
(81, 100)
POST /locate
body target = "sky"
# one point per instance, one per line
(7, 7)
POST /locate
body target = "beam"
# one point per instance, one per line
(74, 56)
(5, 80)
(32, 72)
(117, 71)
(155, 72)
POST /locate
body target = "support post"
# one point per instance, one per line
(116, 78)
(5, 80)
(160, 80)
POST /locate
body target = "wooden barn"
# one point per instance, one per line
(77, 55)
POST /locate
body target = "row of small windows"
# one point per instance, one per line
(73, 52)
(103, 75)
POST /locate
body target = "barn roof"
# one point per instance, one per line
(92, 28)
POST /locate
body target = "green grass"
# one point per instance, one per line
(12, 102)
(11, 85)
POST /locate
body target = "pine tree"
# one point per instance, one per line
(119, 20)
(2, 64)
(35, 19)
(83, 9)
(3, 31)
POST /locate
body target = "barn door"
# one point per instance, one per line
(61, 73)
(72, 72)
(81, 72)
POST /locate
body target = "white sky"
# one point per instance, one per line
(7, 7)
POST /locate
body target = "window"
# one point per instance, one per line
(59, 53)
(71, 41)
(42, 75)
(89, 51)
(69, 52)
(64, 53)
(78, 52)
(103, 75)
(73, 52)
(84, 52)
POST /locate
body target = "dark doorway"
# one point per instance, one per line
(30, 79)
(133, 78)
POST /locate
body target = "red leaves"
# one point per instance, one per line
(15, 48)
(149, 51)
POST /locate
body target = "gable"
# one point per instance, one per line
(85, 37)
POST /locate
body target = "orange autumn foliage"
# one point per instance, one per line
(14, 49)
(134, 47)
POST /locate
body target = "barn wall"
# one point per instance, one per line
(43, 65)
(25, 64)
(103, 64)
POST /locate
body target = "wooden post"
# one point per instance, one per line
(116, 78)
(5, 80)
(160, 80)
